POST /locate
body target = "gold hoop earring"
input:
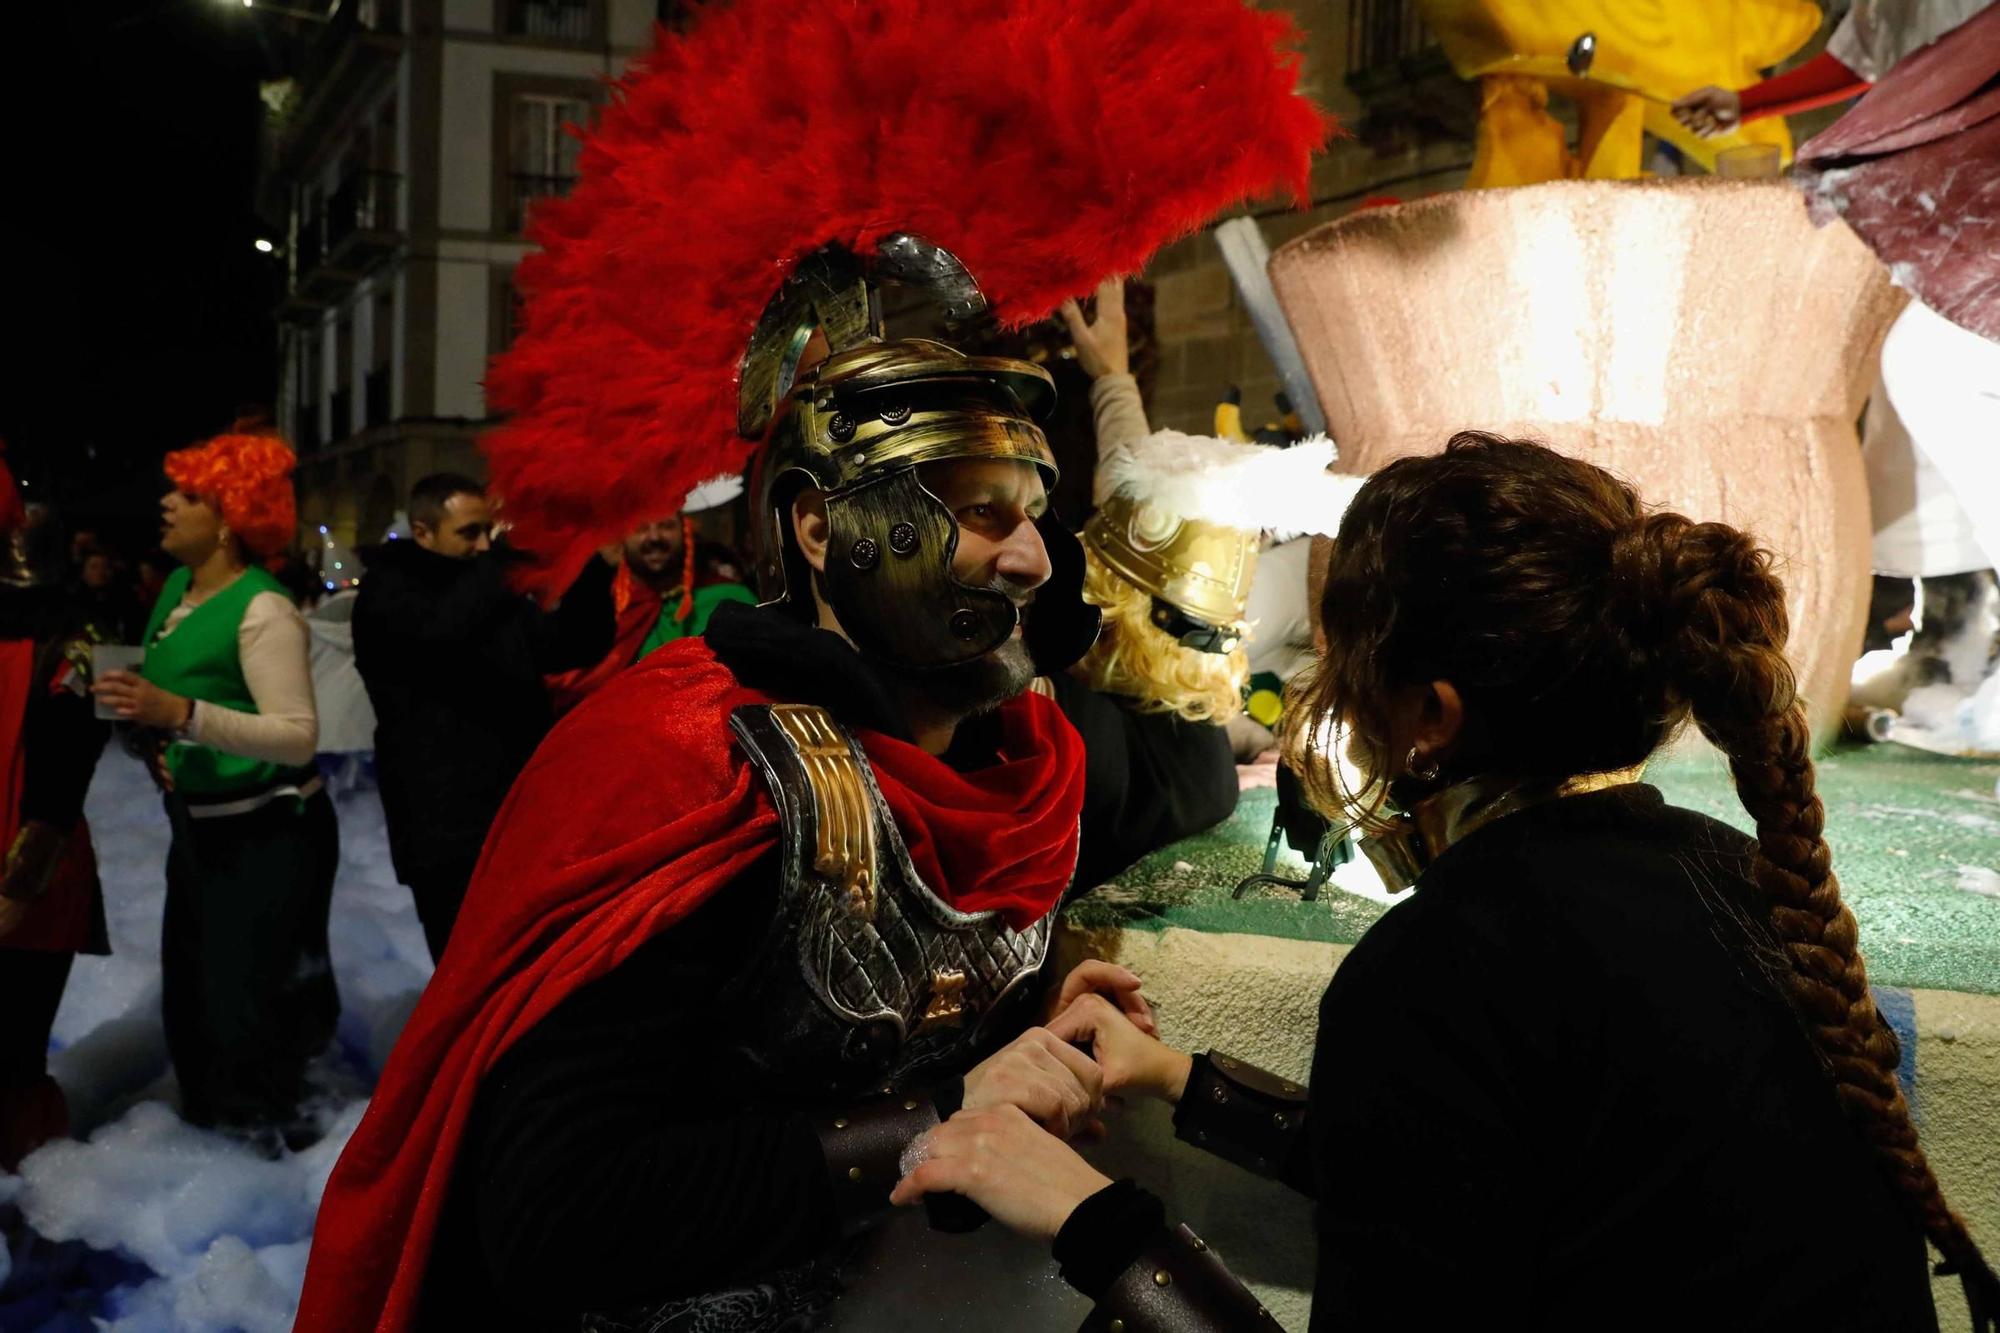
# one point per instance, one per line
(1426, 774)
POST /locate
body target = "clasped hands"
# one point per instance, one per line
(1007, 1148)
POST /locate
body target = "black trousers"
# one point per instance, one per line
(31, 989)
(439, 892)
(248, 994)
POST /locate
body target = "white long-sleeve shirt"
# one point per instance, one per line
(273, 647)
(1119, 414)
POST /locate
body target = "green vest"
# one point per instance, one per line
(666, 629)
(198, 661)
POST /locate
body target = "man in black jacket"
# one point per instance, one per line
(453, 659)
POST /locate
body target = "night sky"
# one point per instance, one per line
(141, 310)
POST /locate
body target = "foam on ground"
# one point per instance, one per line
(224, 1231)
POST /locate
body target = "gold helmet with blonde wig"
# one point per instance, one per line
(1170, 553)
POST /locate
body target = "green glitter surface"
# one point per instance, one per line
(1915, 836)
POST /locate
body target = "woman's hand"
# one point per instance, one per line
(1102, 347)
(1052, 1082)
(1709, 111)
(136, 699)
(1133, 1061)
(1117, 984)
(1001, 1160)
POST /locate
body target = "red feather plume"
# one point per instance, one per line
(1046, 143)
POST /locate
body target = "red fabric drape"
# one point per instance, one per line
(17, 669)
(633, 812)
(1819, 82)
(1910, 168)
(60, 921)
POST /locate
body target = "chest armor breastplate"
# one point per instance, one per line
(867, 977)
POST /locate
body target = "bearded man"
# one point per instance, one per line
(767, 905)
(661, 593)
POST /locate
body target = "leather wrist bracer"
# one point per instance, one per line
(1178, 1285)
(864, 1146)
(1241, 1113)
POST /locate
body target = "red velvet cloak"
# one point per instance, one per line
(61, 921)
(636, 808)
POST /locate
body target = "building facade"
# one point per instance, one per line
(404, 157)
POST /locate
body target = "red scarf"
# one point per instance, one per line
(634, 811)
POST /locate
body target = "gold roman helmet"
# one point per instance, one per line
(1197, 572)
(1183, 516)
(859, 425)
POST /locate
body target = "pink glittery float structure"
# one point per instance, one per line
(1702, 339)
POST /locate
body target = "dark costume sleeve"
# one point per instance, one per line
(1153, 779)
(581, 628)
(610, 1161)
(1118, 1240)
(1117, 1249)
(62, 738)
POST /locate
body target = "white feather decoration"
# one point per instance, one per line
(713, 493)
(1249, 486)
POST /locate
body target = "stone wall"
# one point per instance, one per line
(1205, 338)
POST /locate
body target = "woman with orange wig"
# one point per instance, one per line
(248, 996)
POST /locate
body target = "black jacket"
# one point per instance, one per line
(605, 1163)
(453, 659)
(1558, 1088)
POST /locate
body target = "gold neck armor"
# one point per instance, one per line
(1440, 821)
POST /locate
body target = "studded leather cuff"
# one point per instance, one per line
(864, 1147)
(1178, 1285)
(1241, 1113)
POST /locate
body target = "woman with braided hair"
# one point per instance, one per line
(1615, 1062)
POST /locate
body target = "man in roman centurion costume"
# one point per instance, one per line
(766, 906)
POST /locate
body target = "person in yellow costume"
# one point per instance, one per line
(1645, 55)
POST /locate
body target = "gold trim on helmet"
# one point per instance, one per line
(1203, 569)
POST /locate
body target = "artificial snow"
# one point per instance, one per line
(1979, 880)
(223, 1231)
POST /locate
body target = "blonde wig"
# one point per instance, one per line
(1133, 657)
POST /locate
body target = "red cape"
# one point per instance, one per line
(636, 808)
(61, 921)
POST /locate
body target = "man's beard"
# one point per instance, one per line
(968, 689)
(979, 686)
(653, 560)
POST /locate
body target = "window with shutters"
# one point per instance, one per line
(560, 22)
(541, 152)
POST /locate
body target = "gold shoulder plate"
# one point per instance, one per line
(843, 818)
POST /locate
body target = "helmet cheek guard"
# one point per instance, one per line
(888, 577)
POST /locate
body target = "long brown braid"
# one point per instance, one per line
(1582, 631)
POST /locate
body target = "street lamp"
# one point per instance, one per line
(309, 16)
(264, 247)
